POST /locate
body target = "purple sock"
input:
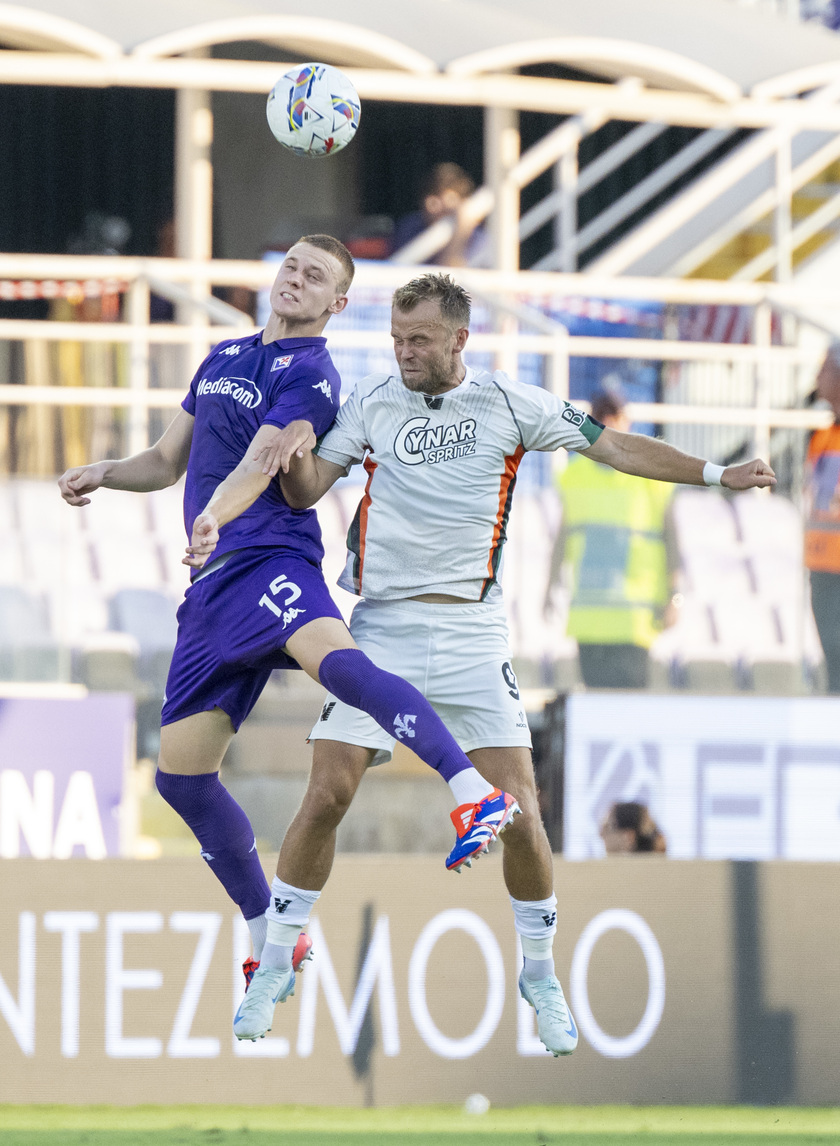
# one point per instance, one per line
(225, 834)
(394, 704)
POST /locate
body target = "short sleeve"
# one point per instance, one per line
(547, 422)
(346, 444)
(188, 403)
(308, 396)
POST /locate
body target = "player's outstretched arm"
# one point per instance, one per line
(159, 466)
(651, 458)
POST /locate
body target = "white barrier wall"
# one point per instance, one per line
(691, 982)
(724, 777)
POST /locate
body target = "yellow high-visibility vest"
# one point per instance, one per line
(614, 528)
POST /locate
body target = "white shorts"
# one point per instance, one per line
(456, 655)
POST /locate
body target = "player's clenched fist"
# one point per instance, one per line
(751, 475)
(81, 480)
(204, 539)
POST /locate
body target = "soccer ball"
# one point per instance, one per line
(313, 110)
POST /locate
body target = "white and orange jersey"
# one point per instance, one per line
(441, 473)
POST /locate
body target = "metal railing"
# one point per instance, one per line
(524, 326)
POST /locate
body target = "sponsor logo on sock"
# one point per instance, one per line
(280, 905)
(550, 918)
(402, 726)
(327, 709)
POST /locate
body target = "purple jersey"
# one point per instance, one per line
(241, 385)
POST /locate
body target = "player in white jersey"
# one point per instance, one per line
(441, 445)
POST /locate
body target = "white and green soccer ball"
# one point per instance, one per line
(313, 110)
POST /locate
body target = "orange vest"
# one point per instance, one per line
(822, 525)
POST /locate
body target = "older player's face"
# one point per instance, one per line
(308, 286)
(427, 348)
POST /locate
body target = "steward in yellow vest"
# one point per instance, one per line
(612, 545)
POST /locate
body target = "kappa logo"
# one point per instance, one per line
(550, 918)
(231, 350)
(324, 387)
(290, 614)
(280, 905)
(402, 726)
(207, 856)
(327, 709)
(417, 442)
(282, 362)
(241, 390)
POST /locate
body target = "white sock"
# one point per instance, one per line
(536, 924)
(288, 913)
(257, 927)
(278, 956)
(533, 969)
(469, 786)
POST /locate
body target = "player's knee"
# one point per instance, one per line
(327, 802)
(526, 830)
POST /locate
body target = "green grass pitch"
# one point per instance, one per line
(415, 1126)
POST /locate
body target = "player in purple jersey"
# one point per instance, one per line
(262, 603)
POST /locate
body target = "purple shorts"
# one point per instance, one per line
(232, 627)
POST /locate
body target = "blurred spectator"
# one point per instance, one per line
(629, 828)
(446, 190)
(612, 546)
(822, 526)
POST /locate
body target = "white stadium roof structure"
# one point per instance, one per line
(714, 48)
(714, 65)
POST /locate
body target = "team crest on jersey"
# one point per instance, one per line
(417, 442)
(241, 390)
(324, 387)
(282, 362)
(231, 350)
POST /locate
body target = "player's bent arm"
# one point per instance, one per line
(231, 497)
(243, 485)
(155, 468)
(651, 458)
(308, 479)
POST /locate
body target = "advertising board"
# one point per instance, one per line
(724, 777)
(695, 982)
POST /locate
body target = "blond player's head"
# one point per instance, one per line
(430, 320)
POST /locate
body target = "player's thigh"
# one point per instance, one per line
(196, 744)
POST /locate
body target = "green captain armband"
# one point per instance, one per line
(589, 427)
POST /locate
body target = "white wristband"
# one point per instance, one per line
(712, 473)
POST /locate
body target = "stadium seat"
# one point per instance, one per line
(116, 511)
(127, 559)
(28, 651)
(148, 616)
(768, 523)
(41, 510)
